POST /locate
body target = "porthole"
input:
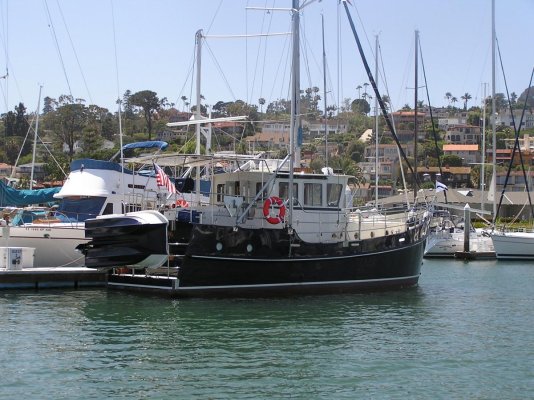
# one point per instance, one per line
(249, 248)
(219, 246)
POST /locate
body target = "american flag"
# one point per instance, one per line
(162, 179)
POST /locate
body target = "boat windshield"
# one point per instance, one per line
(73, 209)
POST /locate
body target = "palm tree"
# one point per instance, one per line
(365, 87)
(184, 99)
(454, 100)
(261, 101)
(359, 88)
(466, 97)
(448, 96)
(513, 97)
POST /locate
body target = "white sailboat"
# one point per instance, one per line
(509, 245)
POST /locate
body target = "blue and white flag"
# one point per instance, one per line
(440, 187)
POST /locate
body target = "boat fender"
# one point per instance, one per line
(273, 200)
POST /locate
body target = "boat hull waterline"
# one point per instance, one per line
(312, 268)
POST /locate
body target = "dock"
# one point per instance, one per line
(40, 278)
(475, 255)
(153, 284)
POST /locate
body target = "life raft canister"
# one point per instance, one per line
(267, 208)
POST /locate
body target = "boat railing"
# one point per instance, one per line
(138, 202)
(514, 229)
(354, 223)
(54, 217)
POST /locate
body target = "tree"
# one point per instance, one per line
(16, 127)
(48, 105)
(9, 119)
(149, 102)
(365, 88)
(448, 96)
(466, 97)
(278, 107)
(21, 121)
(513, 98)
(261, 102)
(184, 99)
(67, 122)
(127, 105)
(451, 160)
(360, 106)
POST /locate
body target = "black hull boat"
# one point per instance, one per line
(134, 240)
(221, 260)
(279, 227)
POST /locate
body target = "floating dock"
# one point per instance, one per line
(475, 255)
(165, 285)
(40, 278)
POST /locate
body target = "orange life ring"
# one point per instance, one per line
(181, 203)
(281, 210)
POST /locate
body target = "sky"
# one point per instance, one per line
(96, 50)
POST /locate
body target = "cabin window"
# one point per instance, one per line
(109, 209)
(232, 188)
(220, 192)
(283, 191)
(313, 194)
(333, 194)
(259, 185)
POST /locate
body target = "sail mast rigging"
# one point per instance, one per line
(377, 93)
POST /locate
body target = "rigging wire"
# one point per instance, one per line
(263, 43)
(264, 63)
(517, 130)
(189, 75)
(74, 51)
(218, 66)
(380, 101)
(5, 43)
(435, 134)
(119, 102)
(56, 43)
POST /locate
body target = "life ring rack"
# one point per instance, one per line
(268, 205)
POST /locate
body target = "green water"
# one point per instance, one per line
(465, 333)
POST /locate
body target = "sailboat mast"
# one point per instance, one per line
(483, 166)
(416, 127)
(197, 111)
(493, 130)
(376, 122)
(294, 125)
(35, 137)
(324, 94)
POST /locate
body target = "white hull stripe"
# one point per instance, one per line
(270, 285)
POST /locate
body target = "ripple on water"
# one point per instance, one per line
(463, 333)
